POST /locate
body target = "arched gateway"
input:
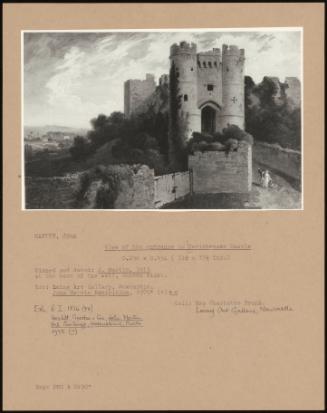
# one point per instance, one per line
(209, 117)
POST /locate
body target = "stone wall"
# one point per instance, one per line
(293, 90)
(220, 172)
(168, 188)
(276, 158)
(137, 192)
(136, 92)
(136, 187)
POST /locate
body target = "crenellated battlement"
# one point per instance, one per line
(233, 50)
(182, 48)
(213, 52)
(207, 85)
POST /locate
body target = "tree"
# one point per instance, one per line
(271, 118)
(81, 148)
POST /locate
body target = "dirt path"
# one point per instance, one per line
(282, 196)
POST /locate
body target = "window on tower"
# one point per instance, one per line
(204, 64)
(209, 64)
(210, 88)
(185, 98)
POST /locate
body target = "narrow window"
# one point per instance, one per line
(204, 64)
(210, 88)
(185, 98)
(191, 69)
(199, 63)
(215, 64)
(210, 65)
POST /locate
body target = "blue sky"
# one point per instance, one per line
(69, 78)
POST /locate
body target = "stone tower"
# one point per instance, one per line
(136, 92)
(206, 92)
(232, 87)
(183, 61)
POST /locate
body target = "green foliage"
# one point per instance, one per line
(177, 131)
(235, 132)
(227, 140)
(269, 117)
(133, 138)
(107, 193)
(84, 183)
(81, 148)
(105, 129)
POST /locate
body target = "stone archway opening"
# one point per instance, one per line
(208, 120)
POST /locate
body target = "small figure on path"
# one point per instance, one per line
(265, 178)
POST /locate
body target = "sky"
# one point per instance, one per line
(71, 77)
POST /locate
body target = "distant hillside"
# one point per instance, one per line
(42, 130)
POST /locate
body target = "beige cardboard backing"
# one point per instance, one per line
(178, 360)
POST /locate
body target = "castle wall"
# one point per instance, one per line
(293, 91)
(216, 172)
(136, 92)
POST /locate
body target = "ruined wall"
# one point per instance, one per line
(143, 190)
(136, 187)
(293, 90)
(164, 80)
(168, 188)
(274, 157)
(137, 190)
(136, 92)
(215, 172)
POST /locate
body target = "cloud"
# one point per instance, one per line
(70, 77)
